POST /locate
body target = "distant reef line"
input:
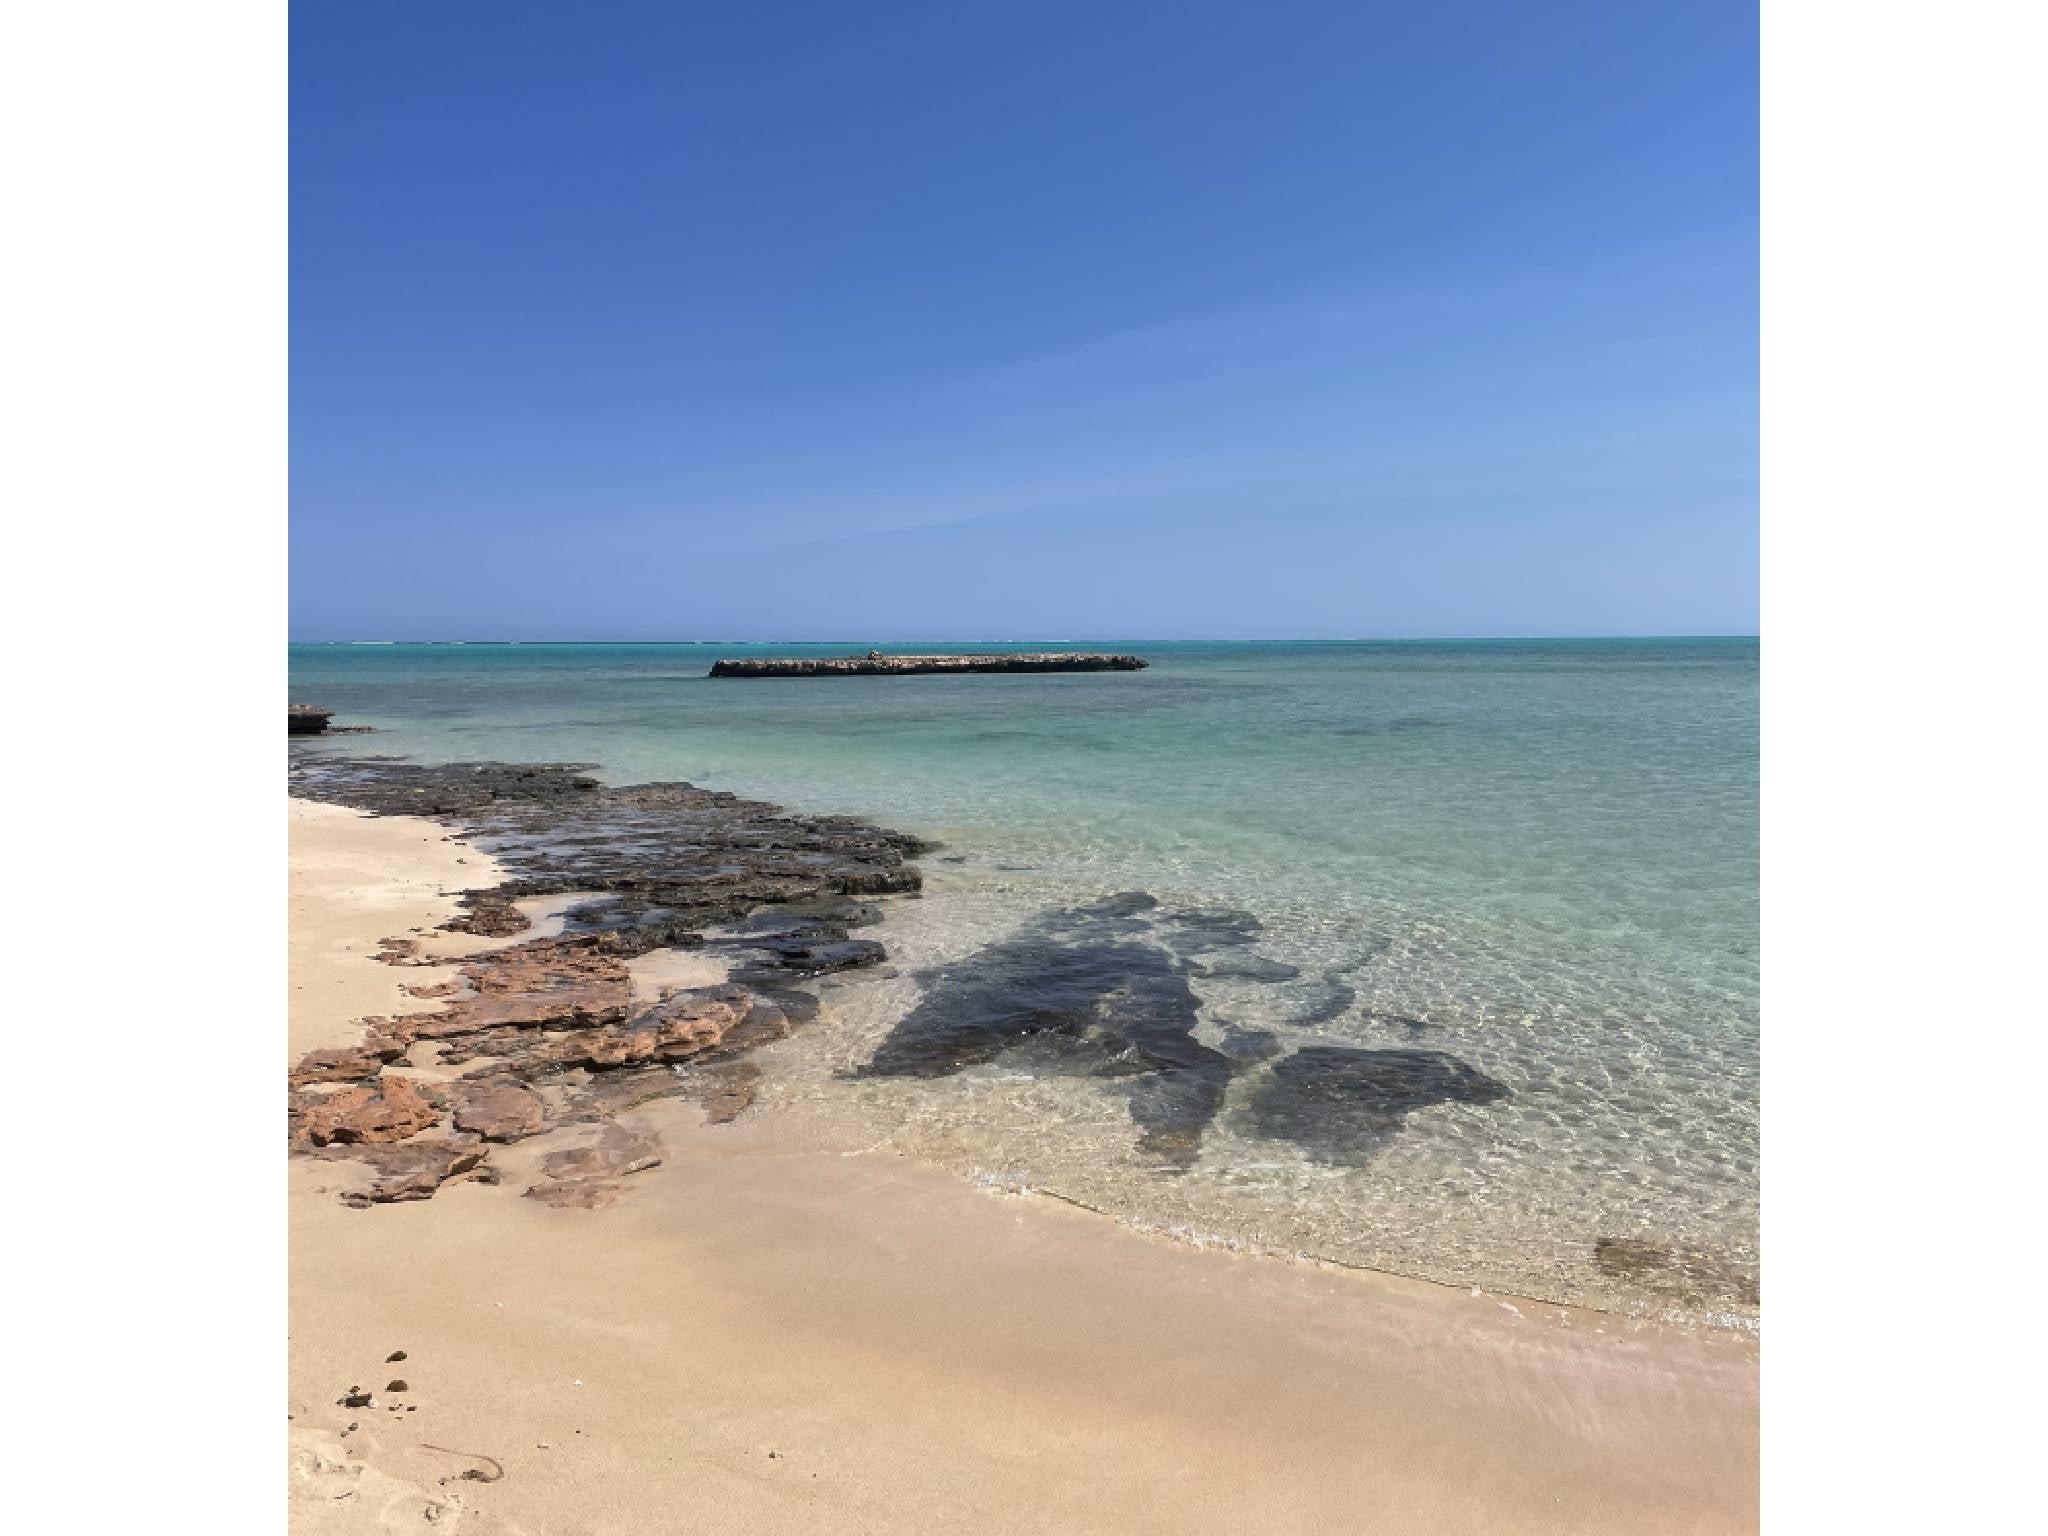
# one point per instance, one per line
(875, 664)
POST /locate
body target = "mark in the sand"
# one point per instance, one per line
(490, 1469)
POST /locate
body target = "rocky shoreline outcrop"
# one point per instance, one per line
(550, 1030)
(550, 1034)
(875, 664)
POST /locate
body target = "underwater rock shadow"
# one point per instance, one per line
(1076, 992)
(1103, 991)
(1344, 1105)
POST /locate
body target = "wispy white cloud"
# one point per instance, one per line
(1226, 338)
(1436, 393)
(1650, 446)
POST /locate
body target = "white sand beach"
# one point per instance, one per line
(762, 1338)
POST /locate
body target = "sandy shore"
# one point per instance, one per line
(762, 1339)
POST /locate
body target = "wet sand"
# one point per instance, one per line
(762, 1338)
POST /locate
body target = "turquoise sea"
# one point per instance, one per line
(1539, 857)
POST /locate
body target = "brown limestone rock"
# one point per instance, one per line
(581, 1194)
(401, 952)
(346, 1064)
(390, 1109)
(613, 1093)
(489, 915)
(546, 984)
(616, 1153)
(679, 1026)
(729, 1092)
(414, 1170)
(497, 1109)
(438, 989)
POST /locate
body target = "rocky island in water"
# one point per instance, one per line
(875, 664)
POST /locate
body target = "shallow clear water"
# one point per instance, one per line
(1537, 857)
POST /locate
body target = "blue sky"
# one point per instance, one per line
(773, 320)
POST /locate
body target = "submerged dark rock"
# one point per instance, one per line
(1331, 996)
(558, 1036)
(1122, 904)
(1250, 1044)
(667, 861)
(1103, 990)
(395, 788)
(1074, 993)
(1241, 965)
(1414, 1029)
(728, 1090)
(701, 854)
(831, 916)
(810, 957)
(1203, 931)
(1681, 1273)
(1344, 1105)
(1322, 1002)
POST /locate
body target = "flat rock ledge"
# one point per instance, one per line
(875, 664)
(547, 1034)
